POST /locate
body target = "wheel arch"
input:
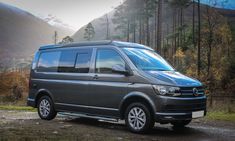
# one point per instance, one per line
(42, 92)
(136, 97)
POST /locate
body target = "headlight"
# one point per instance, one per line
(167, 90)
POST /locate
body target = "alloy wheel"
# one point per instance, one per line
(137, 118)
(44, 108)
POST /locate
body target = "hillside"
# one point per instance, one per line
(100, 28)
(22, 33)
(100, 23)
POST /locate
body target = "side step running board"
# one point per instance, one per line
(87, 116)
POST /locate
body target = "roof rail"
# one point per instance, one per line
(89, 43)
(83, 43)
(48, 47)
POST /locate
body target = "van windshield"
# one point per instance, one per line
(147, 60)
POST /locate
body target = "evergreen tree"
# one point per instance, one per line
(66, 40)
(55, 37)
(89, 32)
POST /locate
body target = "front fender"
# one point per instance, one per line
(140, 95)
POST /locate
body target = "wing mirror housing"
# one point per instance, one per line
(120, 69)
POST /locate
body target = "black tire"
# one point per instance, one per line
(51, 112)
(180, 123)
(149, 122)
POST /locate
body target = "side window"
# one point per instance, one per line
(83, 62)
(75, 61)
(67, 61)
(106, 59)
(49, 61)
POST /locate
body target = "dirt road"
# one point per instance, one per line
(25, 126)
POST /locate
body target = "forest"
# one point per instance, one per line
(198, 40)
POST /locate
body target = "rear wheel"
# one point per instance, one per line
(138, 118)
(46, 109)
(180, 123)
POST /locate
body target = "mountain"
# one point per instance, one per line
(21, 33)
(56, 22)
(100, 23)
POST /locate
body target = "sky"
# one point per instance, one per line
(78, 13)
(228, 4)
(75, 13)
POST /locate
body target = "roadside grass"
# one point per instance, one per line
(17, 108)
(223, 116)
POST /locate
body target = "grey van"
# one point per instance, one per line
(113, 80)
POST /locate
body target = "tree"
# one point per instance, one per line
(199, 40)
(159, 26)
(107, 27)
(55, 37)
(149, 9)
(66, 40)
(215, 32)
(126, 17)
(139, 17)
(121, 20)
(193, 24)
(180, 5)
(178, 25)
(89, 32)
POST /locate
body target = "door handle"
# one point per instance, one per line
(95, 77)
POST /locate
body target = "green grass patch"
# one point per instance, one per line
(221, 116)
(18, 108)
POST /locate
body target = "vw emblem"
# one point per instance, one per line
(195, 91)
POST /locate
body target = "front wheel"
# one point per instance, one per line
(46, 109)
(138, 118)
(180, 123)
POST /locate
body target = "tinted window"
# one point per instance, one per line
(49, 61)
(75, 61)
(106, 59)
(67, 61)
(83, 62)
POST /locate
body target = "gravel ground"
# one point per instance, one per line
(26, 126)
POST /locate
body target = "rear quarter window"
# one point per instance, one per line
(48, 61)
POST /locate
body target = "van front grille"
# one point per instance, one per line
(188, 92)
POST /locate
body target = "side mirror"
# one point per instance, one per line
(120, 69)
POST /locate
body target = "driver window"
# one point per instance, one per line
(106, 59)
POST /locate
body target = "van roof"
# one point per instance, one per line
(95, 43)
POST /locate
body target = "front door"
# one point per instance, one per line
(106, 89)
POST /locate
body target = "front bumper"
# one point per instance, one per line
(176, 108)
(174, 116)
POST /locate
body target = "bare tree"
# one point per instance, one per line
(159, 26)
(199, 40)
(193, 24)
